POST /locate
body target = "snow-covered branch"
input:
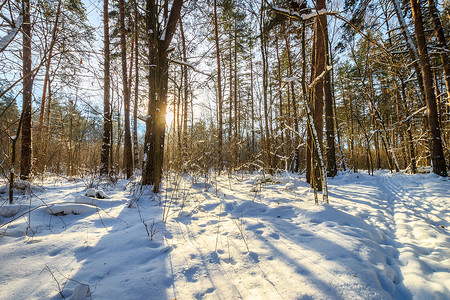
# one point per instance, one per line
(4, 42)
(321, 12)
(327, 69)
(312, 84)
(303, 17)
(185, 63)
(290, 79)
(415, 113)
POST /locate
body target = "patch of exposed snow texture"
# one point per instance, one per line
(7, 211)
(81, 292)
(240, 237)
(90, 193)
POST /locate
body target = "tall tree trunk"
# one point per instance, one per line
(329, 115)
(318, 90)
(437, 154)
(310, 96)
(252, 100)
(185, 92)
(413, 53)
(267, 140)
(311, 125)
(13, 161)
(119, 129)
(230, 159)
(400, 137)
(219, 90)
(374, 121)
(442, 44)
(136, 85)
(185, 110)
(159, 38)
(177, 100)
(235, 95)
(107, 123)
(128, 151)
(408, 126)
(25, 159)
(47, 122)
(352, 131)
(237, 123)
(280, 95)
(294, 106)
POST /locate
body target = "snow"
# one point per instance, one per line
(323, 11)
(81, 292)
(163, 35)
(290, 79)
(304, 17)
(230, 237)
(414, 113)
(68, 208)
(93, 193)
(7, 211)
(184, 63)
(4, 189)
(285, 11)
(4, 41)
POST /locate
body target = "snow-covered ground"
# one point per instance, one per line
(240, 237)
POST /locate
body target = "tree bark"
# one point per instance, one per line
(128, 151)
(294, 107)
(106, 143)
(311, 126)
(329, 115)
(159, 38)
(219, 90)
(413, 52)
(437, 154)
(318, 90)
(252, 99)
(26, 152)
(442, 44)
(408, 125)
(265, 82)
(136, 85)
(309, 96)
(280, 94)
(13, 161)
(185, 93)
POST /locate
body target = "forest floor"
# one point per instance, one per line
(228, 237)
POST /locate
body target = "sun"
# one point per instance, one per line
(169, 116)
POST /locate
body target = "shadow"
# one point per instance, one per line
(287, 242)
(125, 263)
(108, 247)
